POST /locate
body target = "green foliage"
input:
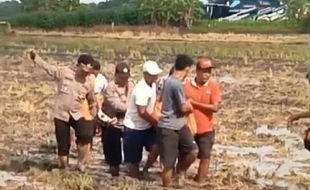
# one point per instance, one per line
(81, 17)
(112, 3)
(68, 5)
(9, 8)
(248, 26)
(50, 5)
(305, 24)
(297, 9)
(57, 14)
(165, 12)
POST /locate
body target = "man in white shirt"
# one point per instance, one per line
(139, 121)
(101, 84)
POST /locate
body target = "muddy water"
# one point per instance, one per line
(269, 166)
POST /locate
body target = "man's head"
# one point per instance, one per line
(307, 139)
(151, 71)
(85, 65)
(203, 69)
(183, 64)
(122, 73)
(96, 68)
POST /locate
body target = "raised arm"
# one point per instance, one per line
(51, 70)
(295, 117)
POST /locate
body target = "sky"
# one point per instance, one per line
(82, 1)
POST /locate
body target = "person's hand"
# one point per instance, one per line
(190, 101)
(113, 121)
(189, 105)
(291, 119)
(32, 55)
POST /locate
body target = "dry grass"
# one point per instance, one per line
(135, 51)
(27, 100)
(263, 92)
(162, 34)
(80, 182)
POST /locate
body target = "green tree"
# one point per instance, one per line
(164, 12)
(69, 5)
(50, 5)
(189, 10)
(39, 5)
(112, 3)
(297, 9)
(9, 8)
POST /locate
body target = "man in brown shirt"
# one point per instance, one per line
(75, 94)
(115, 104)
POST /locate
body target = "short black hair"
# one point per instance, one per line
(85, 59)
(96, 66)
(182, 62)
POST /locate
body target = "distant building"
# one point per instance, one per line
(222, 8)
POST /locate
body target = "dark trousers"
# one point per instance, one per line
(84, 132)
(112, 145)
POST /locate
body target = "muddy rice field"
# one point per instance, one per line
(254, 149)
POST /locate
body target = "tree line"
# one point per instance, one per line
(50, 14)
(60, 13)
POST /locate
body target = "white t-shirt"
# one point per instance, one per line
(142, 95)
(101, 84)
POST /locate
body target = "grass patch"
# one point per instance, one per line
(80, 182)
(3, 29)
(249, 26)
(164, 51)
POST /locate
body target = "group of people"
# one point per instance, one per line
(128, 117)
(150, 114)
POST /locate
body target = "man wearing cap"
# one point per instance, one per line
(204, 95)
(139, 121)
(305, 114)
(74, 87)
(115, 105)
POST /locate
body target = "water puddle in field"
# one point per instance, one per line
(9, 176)
(286, 167)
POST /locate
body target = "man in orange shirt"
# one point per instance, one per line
(204, 95)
